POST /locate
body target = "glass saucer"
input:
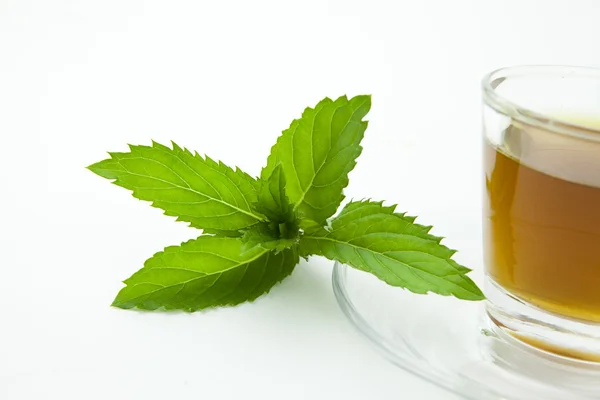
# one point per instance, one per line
(453, 344)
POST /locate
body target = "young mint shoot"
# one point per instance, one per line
(256, 229)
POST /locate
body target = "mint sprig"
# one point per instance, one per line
(254, 230)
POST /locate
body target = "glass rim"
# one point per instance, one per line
(529, 116)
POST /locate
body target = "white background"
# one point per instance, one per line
(78, 78)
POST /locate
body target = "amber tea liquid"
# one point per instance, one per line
(542, 220)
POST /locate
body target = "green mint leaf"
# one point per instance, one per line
(272, 201)
(273, 236)
(372, 238)
(317, 152)
(402, 223)
(203, 192)
(206, 272)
